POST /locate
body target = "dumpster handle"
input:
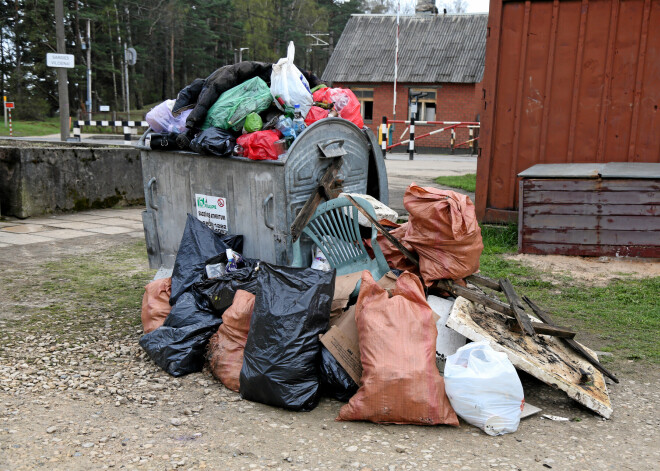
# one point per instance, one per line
(332, 148)
(265, 205)
(150, 193)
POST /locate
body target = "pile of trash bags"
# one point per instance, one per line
(249, 109)
(286, 336)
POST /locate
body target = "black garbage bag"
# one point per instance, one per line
(187, 98)
(217, 294)
(163, 141)
(214, 141)
(283, 350)
(198, 244)
(179, 345)
(335, 382)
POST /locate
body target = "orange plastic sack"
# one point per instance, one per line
(225, 350)
(394, 257)
(156, 304)
(400, 381)
(443, 230)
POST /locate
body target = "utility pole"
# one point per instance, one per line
(128, 94)
(62, 82)
(89, 72)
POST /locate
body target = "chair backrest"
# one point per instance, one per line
(335, 230)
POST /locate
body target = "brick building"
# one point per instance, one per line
(441, 59)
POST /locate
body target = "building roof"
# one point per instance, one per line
(432, 49)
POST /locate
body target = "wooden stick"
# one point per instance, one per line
(498, 306)
(484, 281)
(407, 253)
(545, 317)
(516, 305)
(325, 188)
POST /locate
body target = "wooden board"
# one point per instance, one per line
(545, 358)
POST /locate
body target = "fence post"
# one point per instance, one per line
(453, 139)
(77, 130)
(383, 136)
(411, 144)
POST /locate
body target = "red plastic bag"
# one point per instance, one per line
(346, 103)
(400, 380)
(259, 145)
(315, 113)
(156, 304)
(443, 230)
(225, 350)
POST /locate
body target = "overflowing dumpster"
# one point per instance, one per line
(256, 197)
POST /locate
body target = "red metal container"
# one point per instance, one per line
(566, 82)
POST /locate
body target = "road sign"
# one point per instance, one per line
(9, 104)
(104, 107)
(60, 60)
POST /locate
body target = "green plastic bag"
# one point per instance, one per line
(253, 122)
(233, 106)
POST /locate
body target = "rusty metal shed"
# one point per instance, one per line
(590, 209)
(566, 82)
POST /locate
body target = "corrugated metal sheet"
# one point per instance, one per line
(432, 49)
(566, 82)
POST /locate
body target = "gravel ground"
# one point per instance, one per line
(77, 392)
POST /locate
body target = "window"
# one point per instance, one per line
(422, 100)
(366, 98)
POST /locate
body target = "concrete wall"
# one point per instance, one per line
(454, 102)
(42, 180)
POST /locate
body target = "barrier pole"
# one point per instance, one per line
(77, 131)
(471, 133)
(383, 136)
(411, 144)
(453, 140)
(11, 133)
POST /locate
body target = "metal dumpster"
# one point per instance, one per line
(258, 199)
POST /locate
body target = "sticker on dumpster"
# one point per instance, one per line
(212, 211)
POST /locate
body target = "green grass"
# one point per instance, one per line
(32, 128)
(97, 296)
(464, 182)
(622, 317)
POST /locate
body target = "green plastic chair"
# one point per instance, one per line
(334, 229)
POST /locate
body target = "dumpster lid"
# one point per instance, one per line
(641, 170)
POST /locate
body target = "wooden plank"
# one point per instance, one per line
(408, 254)
(545, 317)
(563, 221)
(591, 237)
(604, 210)
(516, 305)
(549, 359)
(531, 184)
(642, 251)
(595, 197)
(496, 305)
(307, 211)
(545, 329)
(482, 280)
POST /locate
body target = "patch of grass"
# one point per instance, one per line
(95, 296)
(32, 128)
(624, 315)
(466, 182)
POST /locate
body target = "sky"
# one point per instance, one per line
(477, 6)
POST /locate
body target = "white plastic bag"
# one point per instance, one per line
(161, 120)
(484, 389)
(319, 261)
(287, 82)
